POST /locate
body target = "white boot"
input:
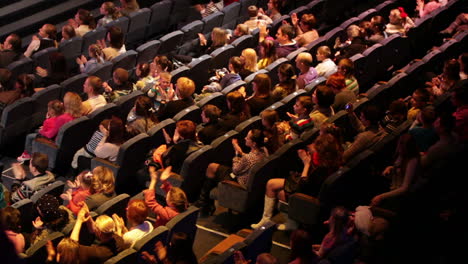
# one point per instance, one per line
(267, 212)
(290, 225)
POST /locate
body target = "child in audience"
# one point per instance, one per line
(142, 117)
(78, 191)
(95, 54)
(118, 86)
(163, 91)
(67, 252)
(10, 219)
(176, 198)
(300, 120)
(146, 81)
(109, 12)
(137, 212)
(102, 187)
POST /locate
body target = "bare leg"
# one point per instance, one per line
(274, 187)
(211, 170)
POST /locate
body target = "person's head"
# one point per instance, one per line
(255, 139)
(395, 17)
(161, 64)
(323, 52)
(115, 37)
(346, 67)
(452, 70)
(108, 9)
(68, 32)
(301, 244)
(12, 42)
(39, 163)
(366, 28)
(332, 129)
(210, 113)
(285, 34)
(93, 86)
(177, 199)
(338, 221)
(323, 96)
(407, 147)
(120, 76)
(104, 227)
(459, 96)
(95, 51)
(398, 110)
(336, 82)
(219, 36)
(249, 56)
(84, 17)
(241, 30)
(10, 219)
(273, 5)
(235, 102)
(370, 115)
(58, 63)
(186, 129)
(253, 11)
(144, 106)
(444, 124)
(165, 79)
(67, 251)
(72, 104)
(267, 49)
(142, 70)
(261, 84)
(103, 180)
(235, 64)
(48, 31)
(286, 73)
(266, 258)
(53, 217)
(86, 179)
(378, 24)
(25, 84)
(129, 3)
(420, 98)
(304, 61)
(185, 87)
(269, 118)
(55, 108)
(307, 22)
(353, 31)
(329, 150)
(137, 211)
(116, 131)
(427, 116)
(303, 105)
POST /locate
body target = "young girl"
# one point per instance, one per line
(10, 219)
(110, 13)
(95, 53)
(146, 80)
(142, 117)
(176, 198)
(78, 192)
(109, 146)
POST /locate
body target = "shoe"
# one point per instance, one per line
(24, 157)
(289, 225)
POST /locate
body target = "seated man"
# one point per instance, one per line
(93, 88)
(255, 19)
(41, 177)
(308, 73)
(326, 67)
(11, 50)
(44, 39)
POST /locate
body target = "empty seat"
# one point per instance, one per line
(103, 71)
(192, 113)
(332, 35)
(74, 84)
(147, 242)
(71, 49)
(41, 58)
(25, 65)
(91, 38)
(147, 51)
(233, 87)
(273, 69)
(221, 56)
(199, 71)
(259, 241)
(104, 112)
(156, 133)
(16, 120)
(41, 99)
(171, 41)
(242, 43)
(179, 13)
(310, 88)
(290, 100)
(212, 21)
(299, 203)
(55, 189)
(184, 222)
(27, 212)
(231, 13)
(179, 72)
(138, 22)
(367, 15)
(126, 61)
(420, 35)
(218, 99)
(223, 150)
(160, 13)
(397, 51)
(243, 128)
(116, 205)
(193, 172)
(192, 29)
(121, 22)
(128, 256)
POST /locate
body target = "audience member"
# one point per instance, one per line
(66, 253)
(93, 89)
(419, 99)
(377, 30)
(301, 248)
(78, 191)
(346, 67)
(261, 97)
(83, 22)
(163, 91)
(395, 116)
(445, 82)
(273, 130)
(423, 133)
(118, 86)
(249, 59)
(10, 51)
(115, 36)
(399, 22)
(305, 29)
(40, 177)
(343, 96)
(142, 117)
(234, 66)
(88, 151)
(109, 12)
(211, 128)
(160, 64)
(68, 32)
(267, 51)
(287, 82)
(184, 91)
(102, 188)
(137, 212)
(238, 111)
(425, 7)
(145, 80)
(326, 67)
(460, 24)
(10, 219)
(300, 120)
(46, 38)
(23, 88)
(284, 42)
(323, 98)
(256, 18)
(355, 43)
(308, 73)
(128, 6)
(57, 73)
(5, 81)
(96, 58)
(179, 250)
(113, 137)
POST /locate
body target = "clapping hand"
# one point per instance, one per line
(83, 214)
(66, 196)
(38, 224)
(18, 171)
(237, 148)
(304, 156)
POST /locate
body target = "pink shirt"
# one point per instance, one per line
(77, 201)
(164, 214)
(51, 126)
(429, 8)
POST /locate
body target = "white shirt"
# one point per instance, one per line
(326, 68)
(137, 233)
(96, 102)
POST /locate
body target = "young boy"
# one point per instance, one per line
(300, 120)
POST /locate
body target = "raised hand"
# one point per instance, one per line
(38, 224)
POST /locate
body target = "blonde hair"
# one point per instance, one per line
(68, 250)
(185, 86)
(95, 51)
(105, 224)
(250, 57)
(178, 199)
(324, 50)
(103, 180)
(73, 104)
(219, 37)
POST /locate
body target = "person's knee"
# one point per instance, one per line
(211, 170)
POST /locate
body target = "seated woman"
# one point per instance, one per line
(399, 22)
(137, 212)
(261, 97)
(115, 36)
(96, 58)
(10, 219)
(249, 59)
(109, 12)
(142, 117)
(113, 137)
(176, 199)
(267, 52)
(238, 111)
(305, 29)
(446, 81)
(145, 80)
(23, 88)
(58, 114)
(219, 38)
(272, 130)
(102, 187)
(346, 67)
(83, 22)
(287, 82)
(128, 6)
(242, 164)
(321, 159)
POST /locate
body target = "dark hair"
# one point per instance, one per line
(325, 96)
(144, 69)
(306, 102)
(447, 121)
(143, 107)
(10, 218)
(269, 49)
(51, 31)
(301, 246)
(69, 30)
(166, 64)
(252, 11)
(263, 83)
(116, 131)
(289, 84)
(238, 105)
(236, 63)
(288, 30)
(398, 107)
(257, 137)
(423, 95)
(58, 63)
(308, 20)
(26, 84)
(116, 37)
(187, 129)
(96, 83)
(15, 42)
(121, 75)
(371, 113)
(452, 70)
(270, 115)
(40, 161)
(212, 112)
(57, 106)
(378, 24)
(87, 18)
